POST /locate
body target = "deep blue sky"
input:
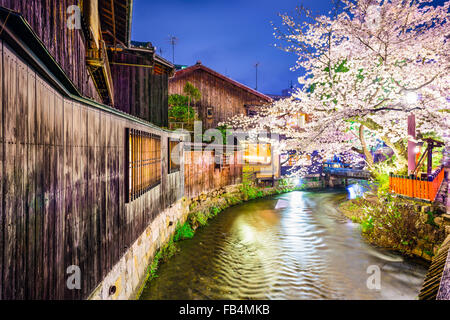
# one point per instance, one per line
(229, 36)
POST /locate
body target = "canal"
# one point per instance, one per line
(291, 246)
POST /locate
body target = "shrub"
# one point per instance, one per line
(394, 224)
(249, 191)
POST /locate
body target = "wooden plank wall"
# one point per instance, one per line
(48, 19)
(201, 174)
(63, 188)
(226, 99)
(137, 90)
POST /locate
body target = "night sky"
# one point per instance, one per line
(229, 36)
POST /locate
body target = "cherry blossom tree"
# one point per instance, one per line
(366, 66)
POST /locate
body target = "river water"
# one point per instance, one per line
(290, 246)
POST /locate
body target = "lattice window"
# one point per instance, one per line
(144, 162)
(258, 154)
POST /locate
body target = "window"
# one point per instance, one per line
(258, 154)
(144, 162)
(209, 113)
(174, 156)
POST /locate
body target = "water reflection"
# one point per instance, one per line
(292, 246)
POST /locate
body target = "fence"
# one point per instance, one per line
(202, 173)
(425, 189)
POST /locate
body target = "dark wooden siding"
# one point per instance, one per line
(225, 99)
(62, 188)
(48, 19)
(137, 89)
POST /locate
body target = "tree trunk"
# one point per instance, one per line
(369, 157)
(399, 148)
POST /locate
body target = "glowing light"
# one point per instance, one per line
(296, 200)
(355, 191)
(412, 97)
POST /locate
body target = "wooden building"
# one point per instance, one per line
(222, 97)
(80, 180)
(82, 37)
(140, 79)
(68, 47)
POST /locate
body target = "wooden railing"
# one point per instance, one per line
(420, 188)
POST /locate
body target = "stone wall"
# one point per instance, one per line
(129, 274)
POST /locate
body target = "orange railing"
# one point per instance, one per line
(425, 189)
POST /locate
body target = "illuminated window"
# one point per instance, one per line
(144, 163)
(258, 154)
(174, 156)
(297, 121)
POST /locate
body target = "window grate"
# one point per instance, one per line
(144, 162)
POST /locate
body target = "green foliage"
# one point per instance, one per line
(183, 232)
(367, 224)
(154, 266)
(342, 67)
(179, 111)
(215, 211)
(382, 181)
(223, 130)
(284, 183)
(429, 253)
(192, 93)
(168, 250)
(198, 219)
(178, 100)
(430, 220)
(249, 191)
(180, 106)
(380, 173)
(393, 224)
(164, 254)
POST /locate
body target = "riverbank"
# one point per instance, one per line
(204, 208)
(394, 223)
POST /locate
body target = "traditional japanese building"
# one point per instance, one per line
(140, 78)
(222, 98)
(84, 169)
